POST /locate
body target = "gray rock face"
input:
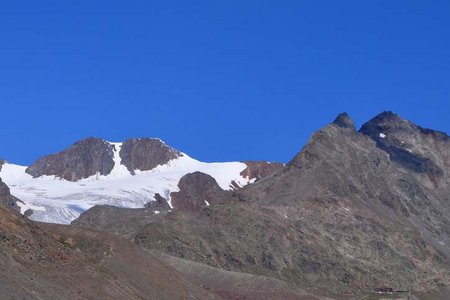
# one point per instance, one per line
(420, 150)
(196, 190)
(257, 170)
(260, 169)
(344, 120)
(145, 154)
(2, 162)
(6, 199)
(83, 159)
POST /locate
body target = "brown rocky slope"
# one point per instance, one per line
(346, 215)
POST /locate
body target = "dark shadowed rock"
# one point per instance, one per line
(6, 198)
(2, 162)
(197, 189)
(81, 160)
(145, 154)
(160, 203)
(344, 120)
(418, 149)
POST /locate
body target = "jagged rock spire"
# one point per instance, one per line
(344, 120)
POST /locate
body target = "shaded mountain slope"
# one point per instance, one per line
(35, 266)
(6, 198)
(147, 270)
(49, 261)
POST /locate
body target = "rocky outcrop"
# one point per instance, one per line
(6, 199)
(417, 149)
(2, 162)
(343, 120)
(160, 203)
(196, 190)
(83, 159)
(260, 169)
(144, 154)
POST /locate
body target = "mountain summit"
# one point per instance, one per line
(58, 187)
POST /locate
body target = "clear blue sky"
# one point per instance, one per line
(219, 80)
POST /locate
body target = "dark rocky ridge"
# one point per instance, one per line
(93, 156)
(145, 154)
(195, 190)
(418, 149)
(2, 162)
(6, 199)
(83, 159)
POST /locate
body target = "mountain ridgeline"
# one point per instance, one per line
(93, 156)
(353, 212)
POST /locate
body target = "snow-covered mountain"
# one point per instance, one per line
(59, 187)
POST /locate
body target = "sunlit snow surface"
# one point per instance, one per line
(55, 200)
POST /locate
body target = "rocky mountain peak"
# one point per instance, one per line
(421, 150)
(328, 139)
(344, 120)
(146, 153)
(83, 159)
(385, 122)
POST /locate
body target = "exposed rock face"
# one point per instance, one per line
(81, 160)
(344, 120)
(6, 198)
(160, 203)
(260, 169)
(420, 150)
(145, 154)
(196, 190)
(2, 162)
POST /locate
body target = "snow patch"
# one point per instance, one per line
(119, 170)
(207, 203)
(382, 135)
